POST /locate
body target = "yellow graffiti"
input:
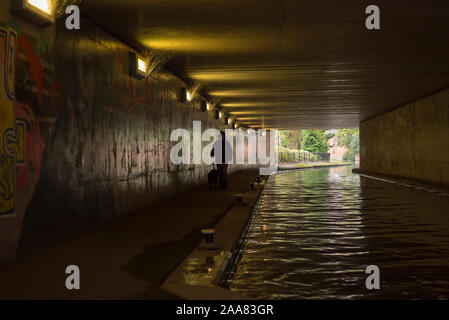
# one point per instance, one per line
(12, 133)
(16, 143)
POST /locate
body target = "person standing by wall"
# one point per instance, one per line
(222, 151)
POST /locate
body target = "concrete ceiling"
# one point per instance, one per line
(293, 64)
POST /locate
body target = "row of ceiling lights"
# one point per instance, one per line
(220, 113)
(41, 13)
(139, 71)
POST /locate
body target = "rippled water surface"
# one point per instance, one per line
(317, 230)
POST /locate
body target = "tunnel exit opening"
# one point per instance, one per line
(318, 147)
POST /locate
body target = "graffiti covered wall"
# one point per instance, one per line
(83, 142)
(11, 133)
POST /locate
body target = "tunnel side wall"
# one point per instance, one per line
(409, 142)
(96, 141)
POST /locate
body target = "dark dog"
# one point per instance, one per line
(212, 179)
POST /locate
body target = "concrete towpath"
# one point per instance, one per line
(129, 257)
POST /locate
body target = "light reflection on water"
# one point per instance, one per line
(317, 230)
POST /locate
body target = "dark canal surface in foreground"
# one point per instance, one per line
(317, 230)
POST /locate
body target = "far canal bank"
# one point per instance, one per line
(301, 165)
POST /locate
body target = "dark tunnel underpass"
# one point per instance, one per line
(224, 150)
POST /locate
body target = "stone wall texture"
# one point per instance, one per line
(409, 142)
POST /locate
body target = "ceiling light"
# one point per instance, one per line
(38, 12)
(186, 96)
(138, 66)
(141, 65)
(43, 5)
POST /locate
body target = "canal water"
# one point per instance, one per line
(317, 230)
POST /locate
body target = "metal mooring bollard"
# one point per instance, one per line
(209, 243)
(210, 261)
(208, 235)
(239, 198)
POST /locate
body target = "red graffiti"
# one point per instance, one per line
(133, 100)
(54, 90)
(34, 144)
(35, 67)
(128, 86)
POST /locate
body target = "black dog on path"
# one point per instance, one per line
(212, 179)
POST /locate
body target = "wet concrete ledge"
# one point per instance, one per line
(417, 184)
(204, 273)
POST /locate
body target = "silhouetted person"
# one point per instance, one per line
(222, 151)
